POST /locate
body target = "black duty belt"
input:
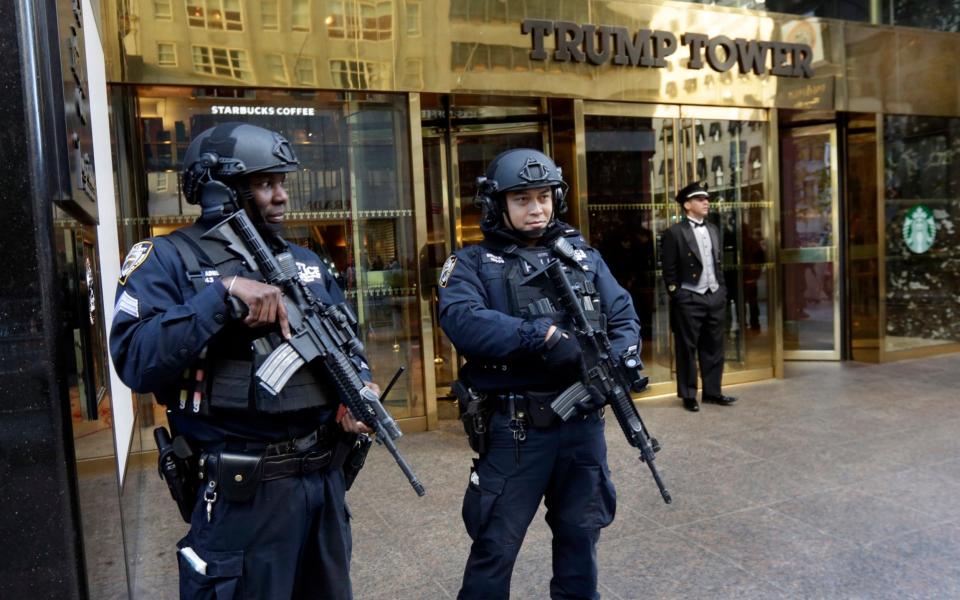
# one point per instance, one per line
(294, 465)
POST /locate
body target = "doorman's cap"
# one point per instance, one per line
(693, 190)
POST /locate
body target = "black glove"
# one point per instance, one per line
(595, 401)
(562, 348)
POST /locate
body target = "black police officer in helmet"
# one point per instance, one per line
(173, 335)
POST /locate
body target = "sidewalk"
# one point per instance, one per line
(841, 481)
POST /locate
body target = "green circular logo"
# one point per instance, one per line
(919, 229)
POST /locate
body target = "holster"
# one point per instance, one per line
(351, 454)
(474, 415)
(177, 466)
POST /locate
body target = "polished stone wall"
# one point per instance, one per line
(40, 554)
(922, 169)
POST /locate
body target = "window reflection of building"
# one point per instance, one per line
(162, 9)
(359, 74)
(413, 19)
(269, 15)
(225, 62)
(367, 20)
(306, 70)
(278, 68)
(300, 15)
(215, 14)
(166, 54)
(504, 11)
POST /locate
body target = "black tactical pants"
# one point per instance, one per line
(567, 464)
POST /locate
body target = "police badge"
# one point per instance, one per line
(136, 257)
(447, 270)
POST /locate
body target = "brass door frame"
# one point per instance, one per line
(453, 233)
(821, 253)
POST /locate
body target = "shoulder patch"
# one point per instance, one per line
(447, 270)
(136, 257)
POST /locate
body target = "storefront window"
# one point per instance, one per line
(922, 207)
(351, 202)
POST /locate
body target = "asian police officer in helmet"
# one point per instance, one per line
(520, 355)
(264, 490)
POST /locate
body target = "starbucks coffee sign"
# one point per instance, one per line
(601, 44)
(919, 229)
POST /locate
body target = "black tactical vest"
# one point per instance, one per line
(531, 294)
(223, 376)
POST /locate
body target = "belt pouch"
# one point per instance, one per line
(238, 475)
(539, 412)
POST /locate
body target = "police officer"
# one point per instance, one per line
(269, 518)
(520, 355)
(693, 274)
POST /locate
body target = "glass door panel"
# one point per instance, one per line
(630, 185)
(454, 221)
(808, 253)
(729, 155)
(473, 152)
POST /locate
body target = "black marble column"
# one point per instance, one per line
(40, 549)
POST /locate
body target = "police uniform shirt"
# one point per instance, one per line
(475, 313)
(705, 245)
(162, 324)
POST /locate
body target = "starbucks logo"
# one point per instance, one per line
(919, 229)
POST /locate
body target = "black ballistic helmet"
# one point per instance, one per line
(515, 170)
(231, 151)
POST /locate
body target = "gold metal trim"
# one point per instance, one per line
(418, 187)
(580, 136)
(413, 424)
(625, 109)
(881, 242)
(922, 352)
(668, 389)
(725, 113)
(805, 255)
(775, 316)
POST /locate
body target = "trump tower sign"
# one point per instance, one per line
(600, 44)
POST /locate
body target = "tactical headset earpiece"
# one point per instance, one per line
(217, 199)
(485, 201)
(560, 194)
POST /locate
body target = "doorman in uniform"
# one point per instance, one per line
(267, 510)
(520, 355)
(693, 274)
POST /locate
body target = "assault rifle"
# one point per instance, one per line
(604, 375)
(322, 335)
